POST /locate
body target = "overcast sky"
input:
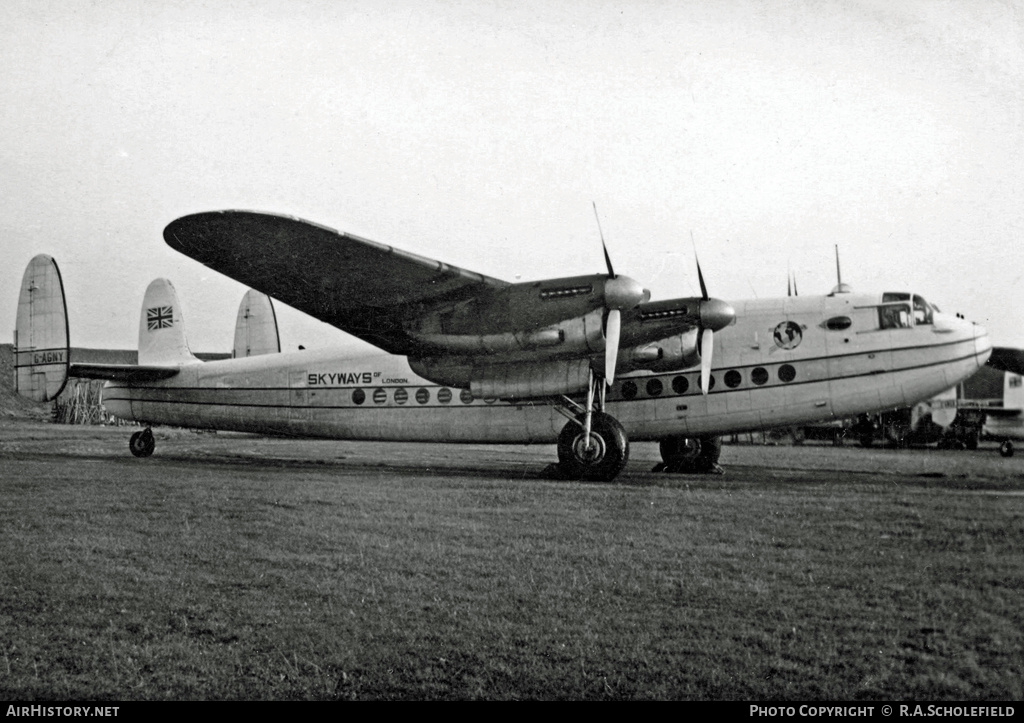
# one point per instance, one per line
(478, 133)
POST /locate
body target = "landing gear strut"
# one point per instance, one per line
(592, 445)
(689, 455)
(142, 443)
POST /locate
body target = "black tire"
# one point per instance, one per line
(1006, 448)
(691, 454)
(866, 440)
(608, 451)
(142, 443)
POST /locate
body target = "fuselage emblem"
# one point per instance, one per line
(788, 335)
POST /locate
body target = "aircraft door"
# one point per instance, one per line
(300, 410)
(859, 358)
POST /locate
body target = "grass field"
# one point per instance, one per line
(228, 567)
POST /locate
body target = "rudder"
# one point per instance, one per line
(41, 350)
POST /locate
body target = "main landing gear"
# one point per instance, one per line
(142, 443)
(592, 445)
(690, 455)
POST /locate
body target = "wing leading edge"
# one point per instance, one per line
(362, 287)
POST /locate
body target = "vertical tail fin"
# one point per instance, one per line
(256, 326)
(41, 353)
(161, 331)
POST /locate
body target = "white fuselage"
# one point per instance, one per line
(785, 361)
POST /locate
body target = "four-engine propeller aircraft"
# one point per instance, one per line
(587, 362)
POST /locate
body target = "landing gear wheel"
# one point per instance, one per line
(602, 459)
(690, 454)
(142, 443)
(1006, 448)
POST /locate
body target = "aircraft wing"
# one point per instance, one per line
(1007, 359)
(122, 372)
(364, 288)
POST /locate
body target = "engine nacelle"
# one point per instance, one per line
(680, 351)
(574, 337)
(536, 380)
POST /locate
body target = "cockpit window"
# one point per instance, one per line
(900, 310)
(922, 311)
(894, 316)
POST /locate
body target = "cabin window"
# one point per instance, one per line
(654, 387)
(759, 376)
(358, 396)
(733, 378)
(787, 373)
(628, 390)
(380, 396)
(401, 396)
(466, 396)
(444, 395)
(680, 385)
(422, 396)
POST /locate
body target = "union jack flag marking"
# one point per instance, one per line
(160, 317)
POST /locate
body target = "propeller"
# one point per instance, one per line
(620, 293)
(714, 314)
(707, 335)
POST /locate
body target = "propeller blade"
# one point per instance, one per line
(611, 344)
(607, 258)
(707, 341)
(700, 276)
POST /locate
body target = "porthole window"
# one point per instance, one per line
(422, 396)
(711, 382)
(838, 323)
(380, 396)
(759, 375)
(733, 378)
(787, 373)
(444, 395)
(628, 390)
(490, 400)
(401, 396)
(680, 385)
(358, 396)
(466, 396)
(654, 387)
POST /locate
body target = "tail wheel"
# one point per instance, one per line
(690, 454)
(600, 458)
(142, 443)
(1006, 448)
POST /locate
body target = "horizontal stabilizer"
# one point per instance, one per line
(123, 372)
(41, 353)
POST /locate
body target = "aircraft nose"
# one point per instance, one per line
(982, 344)
(622, 292)
(716, 314)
